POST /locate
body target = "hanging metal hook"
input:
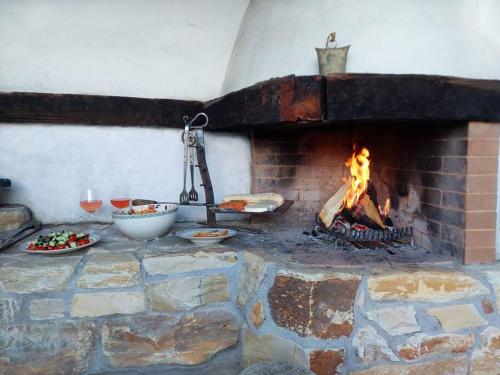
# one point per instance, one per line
(190, 124)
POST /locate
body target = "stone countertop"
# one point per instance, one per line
(288, 246)
(163, 303)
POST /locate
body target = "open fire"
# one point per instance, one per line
(354, 209)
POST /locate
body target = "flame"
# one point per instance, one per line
(387, 207)
(359, 166)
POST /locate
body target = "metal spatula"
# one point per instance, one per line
(193, 194)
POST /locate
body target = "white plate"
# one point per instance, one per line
(204, 241)
(93, 237)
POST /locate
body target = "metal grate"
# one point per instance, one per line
(385, 235)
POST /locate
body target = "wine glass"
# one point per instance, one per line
(90, 203)
(120, 198)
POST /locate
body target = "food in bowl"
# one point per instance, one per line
(141, 210)
(144, 224)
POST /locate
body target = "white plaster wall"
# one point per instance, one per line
(166, 49)
(448, 37)
(155, 48)
(49, 164)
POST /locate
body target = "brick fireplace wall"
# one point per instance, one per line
(441, 178)
(306, 167)
(481, 194)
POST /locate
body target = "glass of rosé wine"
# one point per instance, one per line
(90, 202)
(120, 203)
(120, 200)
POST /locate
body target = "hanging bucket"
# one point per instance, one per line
(332, 60)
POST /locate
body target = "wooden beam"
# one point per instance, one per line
(282, 100)
(389, 97)
(277, 103)
(94, 110)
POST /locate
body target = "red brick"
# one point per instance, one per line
(482, 147)
(483, 130)
(482, 165)
(481, 220)
(264, 159)
(483, 255)
(481, 184)
(480, 202)
(310, 195)
(265, 171)
(477, 239)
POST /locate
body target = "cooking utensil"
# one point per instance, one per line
(140, 202)
(184, 197)
(193, 194)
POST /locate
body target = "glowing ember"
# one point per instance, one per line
(359, 166)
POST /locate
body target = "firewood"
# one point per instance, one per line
(333, 206)
(370, 210)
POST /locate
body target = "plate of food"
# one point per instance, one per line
(60, 242)
(252, 203)
(206, 236)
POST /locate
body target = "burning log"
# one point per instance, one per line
(367, 213)
(333, 206)
(356, 200)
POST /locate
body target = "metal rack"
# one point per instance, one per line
(196, 140)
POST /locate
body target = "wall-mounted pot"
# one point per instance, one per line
(332, 59)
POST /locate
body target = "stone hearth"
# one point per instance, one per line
(167, 306)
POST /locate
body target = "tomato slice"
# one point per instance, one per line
(61, 247)
(83, 241)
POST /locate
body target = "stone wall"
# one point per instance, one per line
(119, 306)
(166, 305)
(416, 320)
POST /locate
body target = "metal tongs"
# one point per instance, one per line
(190, 143)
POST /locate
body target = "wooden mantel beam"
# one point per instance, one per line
(277, 103)
(284, 100)
(408, 97)
(28, 107)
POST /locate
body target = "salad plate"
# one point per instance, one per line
(60, 242)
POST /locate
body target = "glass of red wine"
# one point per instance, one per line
(90, 202)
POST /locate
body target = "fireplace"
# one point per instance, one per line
(440, 177)
(433, 143)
